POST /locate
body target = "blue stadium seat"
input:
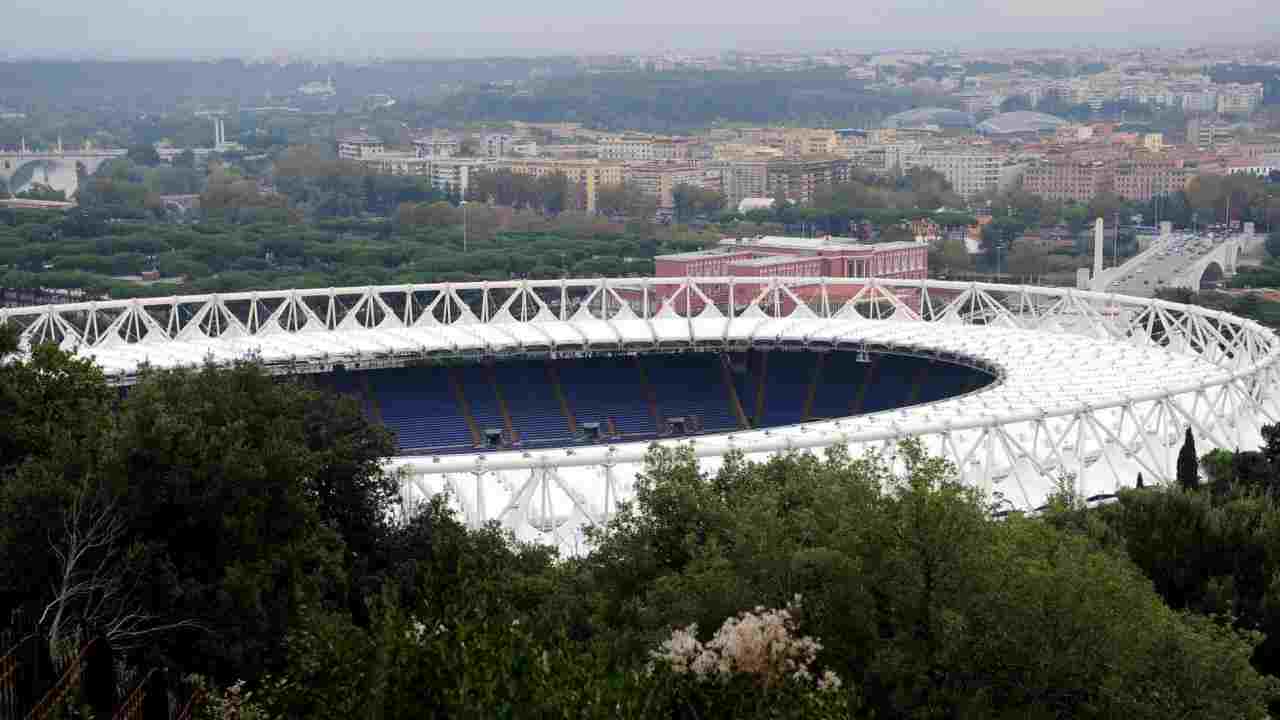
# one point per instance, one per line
(419, 406)
(787, 378)
(691, 385)
(604, 388)
(480, 396)
(535, 411)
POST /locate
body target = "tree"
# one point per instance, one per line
(696, 546)
(185, 159)
(1273, 244)
(624, 200)
(1188, 463)
(143, 154)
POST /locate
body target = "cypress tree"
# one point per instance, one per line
(1188, 461)
(1140, 484)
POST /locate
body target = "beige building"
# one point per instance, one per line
(627, 148)
(659, 180)
(804, 142)
(590, 174)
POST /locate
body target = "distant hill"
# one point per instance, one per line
(160, 85)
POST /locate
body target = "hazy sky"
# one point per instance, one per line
(396, 27)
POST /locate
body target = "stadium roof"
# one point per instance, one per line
(1022, 121)
(920, 117)
(1096, 386)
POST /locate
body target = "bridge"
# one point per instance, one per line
(1180, 260)
(56, 167)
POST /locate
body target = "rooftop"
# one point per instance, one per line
(697, 254)
(794, 243)
(773, 260)
(360, 139)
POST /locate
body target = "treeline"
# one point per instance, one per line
(678, 101)
(244, 530)
(148, 86)
(423, 242)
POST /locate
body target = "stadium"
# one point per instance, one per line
(533, 403)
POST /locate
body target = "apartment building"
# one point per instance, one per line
(800, 179)
(1067, 180)
(626, 148)
(1239, 99)
(437, 146)
(1144, 176)
(358, 146)
(970, 171)
(453, 174)
(659, 179)
(741, 179)
(591, 174)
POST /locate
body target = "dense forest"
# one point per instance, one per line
(231, 531)
(680, 101)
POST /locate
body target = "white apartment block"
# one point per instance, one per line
(626, 148)
(1237, 99)
(437, 147)
(454, 174)
(359, 146)
(969, 171)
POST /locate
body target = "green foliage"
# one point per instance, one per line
(144, 154)
(1273, 244)
(39, 191)
(1188, 463)
(256, 541)
(680, 100)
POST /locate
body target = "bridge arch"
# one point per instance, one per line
(1211, 275)
(58, 174)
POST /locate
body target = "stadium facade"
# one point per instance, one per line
(1027, 387)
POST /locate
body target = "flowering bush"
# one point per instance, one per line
(760, 651)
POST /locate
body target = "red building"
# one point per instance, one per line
(793, 257)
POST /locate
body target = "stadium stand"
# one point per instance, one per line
(417, 405)
(446, 410)
(787, 378)
(482, 400)
(607, 389)
(535, 411)
(690, 386)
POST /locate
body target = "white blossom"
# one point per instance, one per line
(760, 643)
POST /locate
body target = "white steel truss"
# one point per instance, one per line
(1092, 387)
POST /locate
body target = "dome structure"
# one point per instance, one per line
(921, 117)
(752, 203)
(1020, 122)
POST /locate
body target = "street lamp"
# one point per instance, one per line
(464, 226)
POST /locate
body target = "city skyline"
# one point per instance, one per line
(238, 28)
